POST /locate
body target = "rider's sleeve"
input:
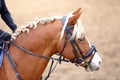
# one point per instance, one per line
(5, 15)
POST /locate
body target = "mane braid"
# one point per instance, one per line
(33, 24)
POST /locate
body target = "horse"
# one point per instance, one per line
(33, 45)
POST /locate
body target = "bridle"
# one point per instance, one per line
(77, 61)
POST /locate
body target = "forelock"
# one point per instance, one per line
(78, 32)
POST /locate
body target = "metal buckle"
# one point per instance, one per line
(79, 61)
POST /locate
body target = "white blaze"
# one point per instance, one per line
(95, 62)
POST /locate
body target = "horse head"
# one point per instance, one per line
(75, 46)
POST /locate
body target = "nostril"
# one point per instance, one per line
(99, 62)
(97, 68)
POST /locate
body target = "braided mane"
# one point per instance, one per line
(33, 24)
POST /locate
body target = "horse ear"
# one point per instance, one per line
(77, 11)
(72, 20)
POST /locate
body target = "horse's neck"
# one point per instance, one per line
(42, 40)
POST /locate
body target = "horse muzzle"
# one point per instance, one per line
(95, 63)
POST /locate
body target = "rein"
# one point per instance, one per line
(33, 54)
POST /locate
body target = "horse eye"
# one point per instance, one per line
(80, 39)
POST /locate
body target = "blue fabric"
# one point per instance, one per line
(63, 19)
(5, 15)
(1, 55)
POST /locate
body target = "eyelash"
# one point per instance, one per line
(81, 39)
